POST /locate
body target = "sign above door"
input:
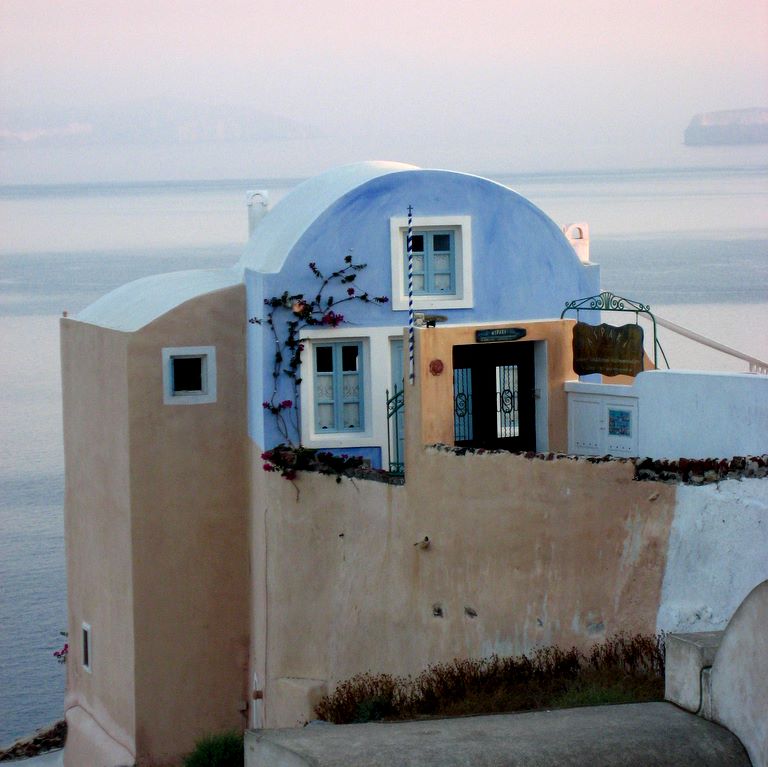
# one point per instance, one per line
(499, 334)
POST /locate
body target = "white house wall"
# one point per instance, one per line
(522, 268)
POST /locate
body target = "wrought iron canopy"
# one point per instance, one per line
(610, 302)
(607, 301)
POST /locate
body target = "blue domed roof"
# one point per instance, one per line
(282, 227)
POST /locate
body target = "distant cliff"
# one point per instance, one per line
(733, 126)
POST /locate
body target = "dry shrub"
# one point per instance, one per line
(621, 669)
(363, 698)
(638, 654)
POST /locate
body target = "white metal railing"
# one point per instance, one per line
(755, 365)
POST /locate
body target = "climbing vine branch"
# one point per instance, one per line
(287, 315)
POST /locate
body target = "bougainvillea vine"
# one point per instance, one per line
(299, 312)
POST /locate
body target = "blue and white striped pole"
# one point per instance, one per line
(411, 372)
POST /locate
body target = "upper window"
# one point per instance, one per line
(441, 248)
(189, 375)
(434, 262)
(338, 379)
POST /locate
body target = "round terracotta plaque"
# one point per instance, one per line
(436, 367)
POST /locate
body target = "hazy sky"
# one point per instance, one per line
(100, 89)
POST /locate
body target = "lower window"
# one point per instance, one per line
(338, 386)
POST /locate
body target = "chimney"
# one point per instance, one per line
(258, 206)
(578, 236)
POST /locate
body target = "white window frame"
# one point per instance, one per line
(462, 298)
(86, 637)
(208, 393)
(377, 379)
(337, 381)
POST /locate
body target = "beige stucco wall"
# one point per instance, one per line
(544, 552)
(98, 539)
(437, 390)
(157, 503)
(189, 504)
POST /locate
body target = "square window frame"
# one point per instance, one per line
(338, 344)
(462, 297)
(368, 338)
(428, 254)
(209, 379)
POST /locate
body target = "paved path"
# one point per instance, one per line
(643, 734)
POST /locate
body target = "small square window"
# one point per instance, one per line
(189, 375)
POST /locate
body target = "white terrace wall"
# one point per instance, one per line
(676, 414)
(717, 553)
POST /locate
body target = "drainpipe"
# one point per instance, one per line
(258, 206)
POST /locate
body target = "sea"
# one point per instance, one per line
(690, 241)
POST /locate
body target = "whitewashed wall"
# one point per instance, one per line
(717, 553)
(679, 414)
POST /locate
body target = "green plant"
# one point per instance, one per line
(223, 750)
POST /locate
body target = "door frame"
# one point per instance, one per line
(484, 360)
